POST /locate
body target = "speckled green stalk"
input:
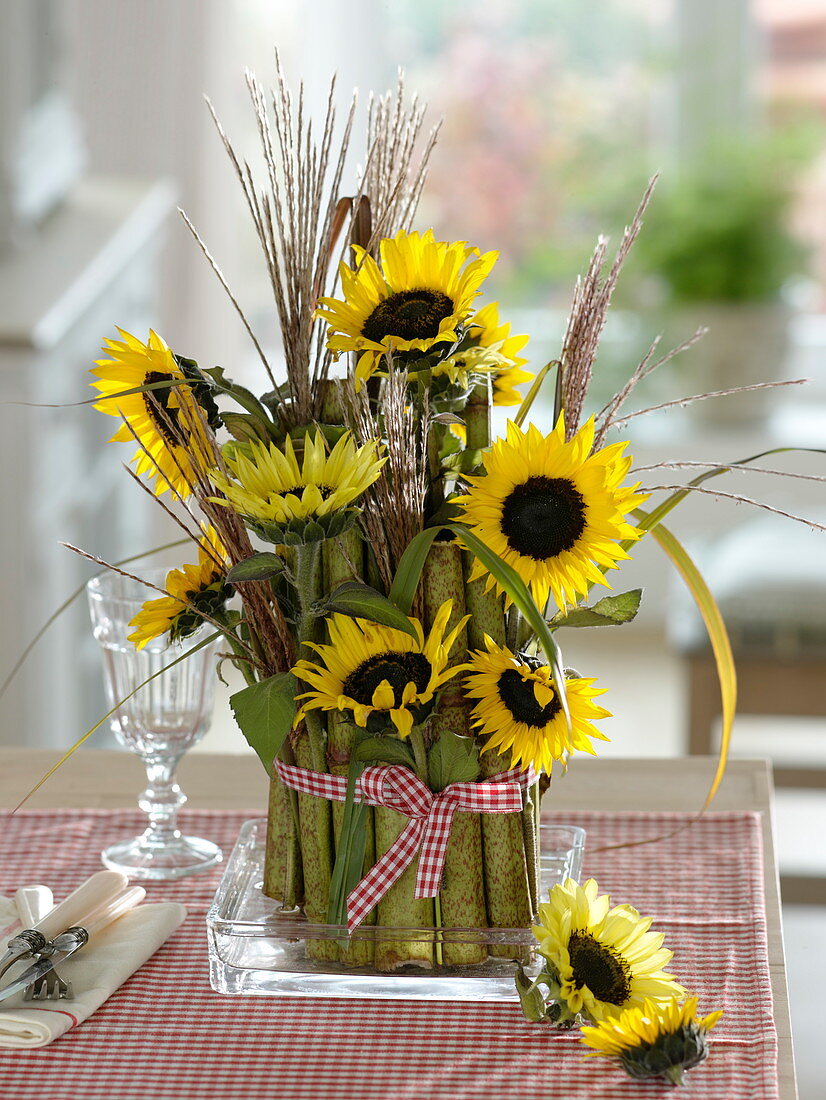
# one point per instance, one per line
(477, 418)
(507, 889)
(311, 752)
(463, 893)
(282, 859)
(340, 739)
(398, 908)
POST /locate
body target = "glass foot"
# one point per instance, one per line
(176, 858)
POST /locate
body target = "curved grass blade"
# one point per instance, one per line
(533, 392)
(718, 636)
(518, 591)
(410, 569)
(21, 660)
(652, 518)
(206, 641)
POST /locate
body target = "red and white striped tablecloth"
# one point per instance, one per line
(166, 1034)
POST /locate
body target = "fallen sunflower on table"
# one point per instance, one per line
(598, 960)
(654, 1040)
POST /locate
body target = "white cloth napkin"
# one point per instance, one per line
(95, 972)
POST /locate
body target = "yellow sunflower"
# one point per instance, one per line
(653, 1040)
(193, 590)
(484, 329)
(517, 708)
(418, 300)
(166, 420)
(288, 500)
(604, 960)
(553, 510)
(384, 676)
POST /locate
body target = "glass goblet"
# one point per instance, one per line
(159, 723)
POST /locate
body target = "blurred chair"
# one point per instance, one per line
(769, 581)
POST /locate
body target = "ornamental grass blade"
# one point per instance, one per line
(67, 603)
(109, 713)
(410, 568)
(352, 842)
(533, 393)
(718, 636)
(651, 519)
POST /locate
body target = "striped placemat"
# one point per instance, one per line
(166, 1035)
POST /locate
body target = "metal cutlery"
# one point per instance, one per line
(64, 945)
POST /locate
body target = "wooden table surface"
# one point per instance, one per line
(104, 780)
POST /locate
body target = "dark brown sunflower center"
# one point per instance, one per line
(598, 966)
(408, 314)
(325, 490)
(165, 418)
(398, 669)
(518, 696)
(542, 517)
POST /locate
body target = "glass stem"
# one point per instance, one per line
(161, 801)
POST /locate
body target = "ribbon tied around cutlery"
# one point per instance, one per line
(428, 829)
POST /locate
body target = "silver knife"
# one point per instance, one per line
(64, 945)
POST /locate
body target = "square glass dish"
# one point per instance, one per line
(255, 948)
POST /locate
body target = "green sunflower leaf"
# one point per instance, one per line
(518, 591)
(245, 428)
(264, 712)
(363, 602)
(610, 611)
(410, 569)
(453, 759)
(257, 567)
(530, 997)
(383, 750)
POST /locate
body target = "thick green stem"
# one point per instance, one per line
(507, 884)
(477, 417)
(462, 896)
(340, 741)
(530, 832)
(507, 888)
(398, 908)
(485, 608)
(311, 752)
(343, 559)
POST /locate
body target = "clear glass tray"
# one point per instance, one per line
(255, 948)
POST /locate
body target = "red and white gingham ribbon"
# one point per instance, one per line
(428, 830)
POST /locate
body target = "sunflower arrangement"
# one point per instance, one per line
(392, 581)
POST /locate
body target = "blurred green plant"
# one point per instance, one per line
(720, 231)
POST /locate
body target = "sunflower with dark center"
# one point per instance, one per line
(415, 301)
(603, 959)
(386, 678)
(654, 1040)
(487, 334)
(167, 421)
(553, 510)
(517, 708)
(194, 594)
(289, 498)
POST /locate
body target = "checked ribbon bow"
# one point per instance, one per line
(428, 829)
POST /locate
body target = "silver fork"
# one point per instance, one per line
(50, 987)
